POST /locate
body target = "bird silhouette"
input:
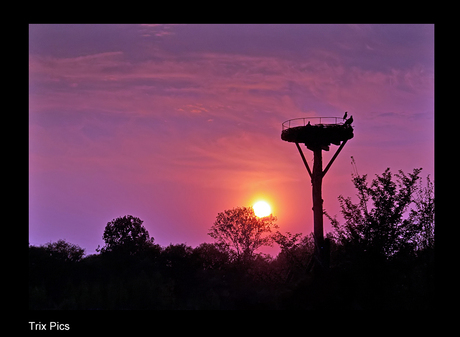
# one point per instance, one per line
(349, 121)
(345, 116)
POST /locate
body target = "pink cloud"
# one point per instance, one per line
(227, 80)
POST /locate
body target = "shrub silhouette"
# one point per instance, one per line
(388, 227)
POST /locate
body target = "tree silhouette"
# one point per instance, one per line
(386, 228)
(126, 235)
(211, 256)
(51, 266)
(422, 216)
(242, 231)
(64, 251)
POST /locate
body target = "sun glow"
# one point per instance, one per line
(262, 209)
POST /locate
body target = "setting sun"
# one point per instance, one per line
(261, 209)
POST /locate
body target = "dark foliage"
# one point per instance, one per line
(242, 232)
(395, 223)
(382, 257)
(125, 235)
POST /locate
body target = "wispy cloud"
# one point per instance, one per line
(231, 90)
(159, 30)
(229, 77)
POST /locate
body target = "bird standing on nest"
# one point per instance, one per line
(349, 121)
(345, 116)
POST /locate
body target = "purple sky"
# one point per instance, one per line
(176, 123)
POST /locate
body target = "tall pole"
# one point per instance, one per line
(317, 180)
(316, 138)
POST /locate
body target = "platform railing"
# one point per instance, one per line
(291, 123)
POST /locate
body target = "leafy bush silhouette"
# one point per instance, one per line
(385, 239)
(385, 229)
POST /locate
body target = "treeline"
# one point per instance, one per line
(381, 257)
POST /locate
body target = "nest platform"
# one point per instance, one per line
(317, 135)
